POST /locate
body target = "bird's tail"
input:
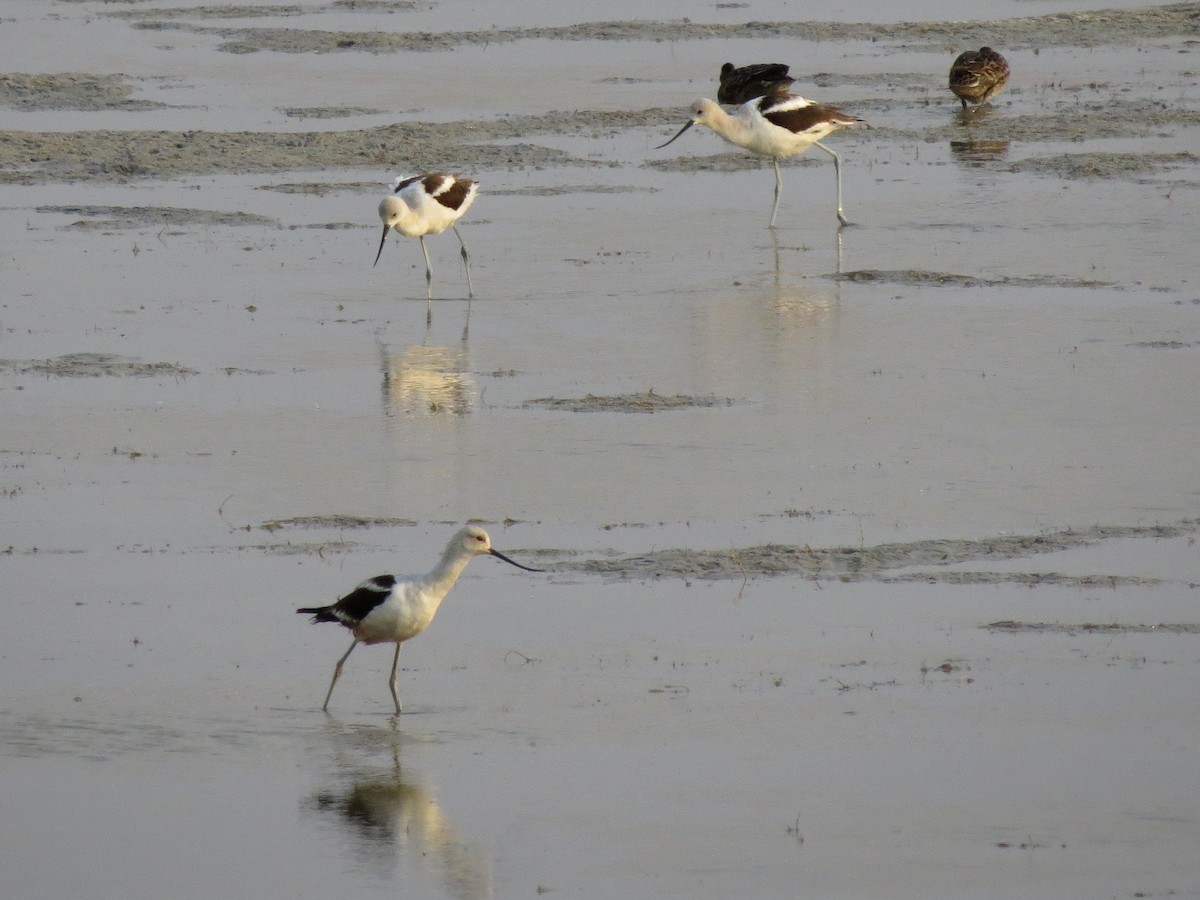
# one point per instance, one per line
(319, 613)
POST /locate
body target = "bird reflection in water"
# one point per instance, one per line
(808, 308)
(978, 152)
(811, 310)
(427, 379)
(837, 244)
(973, 151)
(391, 820)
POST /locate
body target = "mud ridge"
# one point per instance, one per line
(123, 217)
(29, 157)
(879, 562)
(1089, 28)
(93, 365)
(648, 402)
(1015, 627)
(917, 277)
(69, 90)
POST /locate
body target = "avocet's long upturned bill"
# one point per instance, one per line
(428, 204)
(745, 83)
(778, 126)
(978, 75)
(390, 609)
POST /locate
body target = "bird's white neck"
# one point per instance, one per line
(451, 565)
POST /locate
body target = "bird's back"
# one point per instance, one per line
(979, 74)
(408, 610)
(740, 85)
(804, 121)
(435, 202)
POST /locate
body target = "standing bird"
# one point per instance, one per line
(428, 204)
(748, 82)
(978, 75)
(779, 126)
(390, 609)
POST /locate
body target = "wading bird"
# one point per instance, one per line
(428, 204)
(391, 609)
(778, 127)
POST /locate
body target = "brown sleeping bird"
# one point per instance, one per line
(978, 75)
(747, 83)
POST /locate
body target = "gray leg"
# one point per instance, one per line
(778, 191)
(466, 262)
(337, 671)
(428, 270)
(392, 680)
(837, 173)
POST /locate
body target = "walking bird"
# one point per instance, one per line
(428, 204)
(777, 127)
(391, 609)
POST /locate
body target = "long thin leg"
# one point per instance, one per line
(837, 172)
(778, 191)
(466, 262)
(428, 282)
(393, 677)
(337, 671)
(428, 269)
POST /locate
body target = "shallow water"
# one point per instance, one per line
(214, 410)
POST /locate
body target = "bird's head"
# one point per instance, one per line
(476, 541)
(702, 113)
(391, 209)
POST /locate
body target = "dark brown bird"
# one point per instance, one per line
(978, 75)
(748, 83)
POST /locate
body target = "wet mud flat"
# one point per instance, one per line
(871, 555)
(1112, 26)
(880, 562)
(30, 157)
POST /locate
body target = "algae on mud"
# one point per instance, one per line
(33, 157)
(1089, 28)
(880, 562)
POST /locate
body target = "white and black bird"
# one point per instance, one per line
(428, 204)
(391, 609)
(744, 83)
(777, 126)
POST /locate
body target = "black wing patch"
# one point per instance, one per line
(740, 85)
(357, 604)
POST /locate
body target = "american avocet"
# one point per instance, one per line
(739, 85)
(778, 127)
(978, 75)
(428, 204)
(390, 609)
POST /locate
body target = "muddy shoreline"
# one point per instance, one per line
(32, 157)
(868, 544)
(1115, 26)
(880, 562)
